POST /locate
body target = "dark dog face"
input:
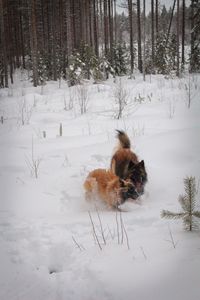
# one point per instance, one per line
(138, 176)
(128, 190)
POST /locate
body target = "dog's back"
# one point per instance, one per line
(123, 155)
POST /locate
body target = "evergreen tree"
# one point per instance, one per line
(120, 59)
(148, 60)
(172, 53)
(43, 68)
(165, 59)
(106, 67)
(75, 69)
(97, 73)
(87, 57)
(160, 60)
(195, 36)
(189, 215)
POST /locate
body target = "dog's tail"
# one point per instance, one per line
(123, 139)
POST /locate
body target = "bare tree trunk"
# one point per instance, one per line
(54, 42)
(68, 29)
(96, 45)
(178, 32)
(170, 23)
(115, 22)
(22, 41)
(130, 15)
(101, 23)
(33, 41)
(72, 24)
(9, 41)
(183, 35)
(192, 36)
(139, 37)
(144, 39)
(110, 17)
(90, 24)
(105, 27)
(4, 80)
(156, 18)
(152, 35)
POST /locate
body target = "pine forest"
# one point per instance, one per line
(84, 39)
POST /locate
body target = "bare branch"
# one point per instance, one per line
(101, 227)
(94, 231)
(79, 246)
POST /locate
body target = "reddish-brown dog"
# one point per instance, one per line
(109, 187)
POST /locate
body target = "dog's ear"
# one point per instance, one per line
(142, 164)
(131, 165)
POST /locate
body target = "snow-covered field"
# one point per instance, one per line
(47, 246)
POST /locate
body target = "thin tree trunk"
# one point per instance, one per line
(101, 23)
(96, 46)
(139, 37)
(170, 23)
(10, 41)
(178, 32)
(33, 41)
(22, 41)
(156, 18)
(152, 34)
(54, 40)
(110, 18)
(183, 35)
(192, 37)
(115, 22)
(106, 28)
(90, 24)
(130, 15)
(3, 41)
(144, 39)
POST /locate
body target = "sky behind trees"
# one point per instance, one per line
(167, 3)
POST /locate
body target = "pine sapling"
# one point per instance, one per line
(189, 215)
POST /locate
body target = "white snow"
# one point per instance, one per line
(42, 219)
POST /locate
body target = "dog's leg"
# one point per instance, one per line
(91, 188)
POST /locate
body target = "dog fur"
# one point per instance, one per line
(109, 187)
(126, 165)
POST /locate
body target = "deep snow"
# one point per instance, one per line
(42, 219)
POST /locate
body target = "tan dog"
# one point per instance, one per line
(125, 164)
(109, 187)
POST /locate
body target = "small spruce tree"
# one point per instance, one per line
(195, 60)
(42, 68)
(161, 55)
(189, 215)
(106, 67)
(87, 57)
(120, 59)
(97, 73)
(171, 53)
(75, 69)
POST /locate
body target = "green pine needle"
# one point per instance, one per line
(196, 214)
(171, 215)
(187, 203)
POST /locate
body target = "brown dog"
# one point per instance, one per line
(109, 187)
(126, 165)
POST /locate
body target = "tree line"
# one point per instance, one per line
(76, 39)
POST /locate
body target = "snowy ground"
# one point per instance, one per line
(42, 219)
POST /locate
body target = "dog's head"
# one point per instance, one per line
(127, 190)
(138, 176)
